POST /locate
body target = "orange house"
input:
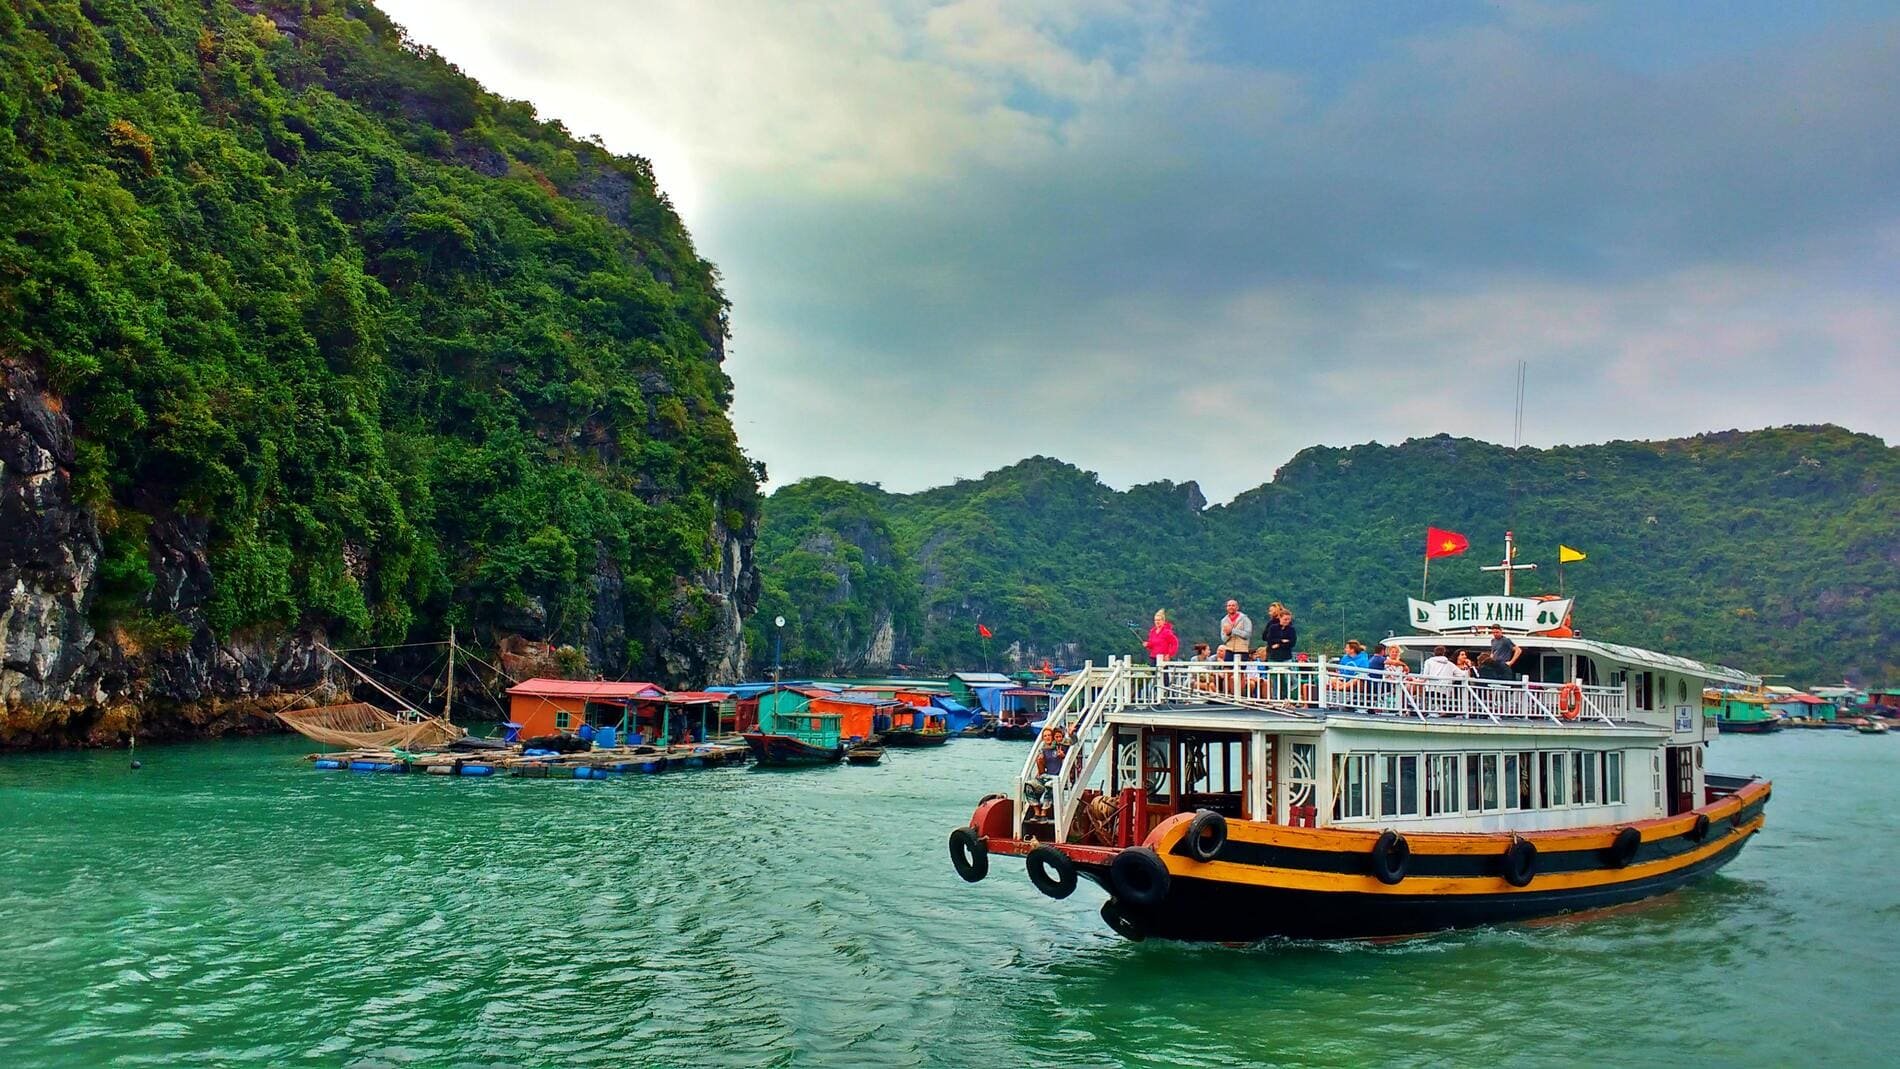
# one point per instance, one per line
(547, 706)
(860, 711)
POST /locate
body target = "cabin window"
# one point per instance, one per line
(1655, 777)
(1550, 668)
(1127, 759)
(1556, 779)
(1587, 764)
(1526, 780)
(1613, 778)
(1159, 757)
(1511, 796)
(1474, 785)
(1442, 784)
(562, 718)
(1349, 772)
(1490, 781)
(1586, 671)
(1682, 690)
(1645, 690)
(1398, 786)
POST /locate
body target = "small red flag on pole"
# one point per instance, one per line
(1439, 543)
(984, 631)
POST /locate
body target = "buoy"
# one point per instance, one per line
(138, 765)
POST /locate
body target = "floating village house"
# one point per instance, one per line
(548, 706)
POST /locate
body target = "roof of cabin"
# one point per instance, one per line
(993, 679)
(583, 688)
(692, 697)
(1634, 655)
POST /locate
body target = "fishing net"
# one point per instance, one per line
(360, 725)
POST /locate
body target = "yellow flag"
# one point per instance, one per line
(1565, 554)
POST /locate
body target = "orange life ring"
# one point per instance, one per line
(1570, 700)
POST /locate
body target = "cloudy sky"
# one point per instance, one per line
(1184, 240)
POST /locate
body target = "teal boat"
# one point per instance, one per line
(801, 738)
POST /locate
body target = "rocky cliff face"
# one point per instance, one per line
(63, 683)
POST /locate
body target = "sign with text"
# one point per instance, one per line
(1520, 615)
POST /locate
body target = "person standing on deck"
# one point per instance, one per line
(1236, 632)
(1162, 642)
(1504, 651)
(1281, 638)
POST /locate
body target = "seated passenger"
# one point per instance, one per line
(1203, 681)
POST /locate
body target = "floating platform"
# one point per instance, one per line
(591, 764)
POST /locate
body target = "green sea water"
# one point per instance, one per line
(226, 905)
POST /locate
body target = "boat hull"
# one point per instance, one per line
(1747, 727)
(784, 751)
(912, 740)
(1319, 883)
(1018, 732)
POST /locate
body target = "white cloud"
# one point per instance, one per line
(959, 233)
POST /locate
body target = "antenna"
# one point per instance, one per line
(1517, 428)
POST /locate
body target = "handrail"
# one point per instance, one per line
(1088, 685)
(1292, 687)
(1089, 740)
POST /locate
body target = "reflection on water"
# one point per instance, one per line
(225, 905)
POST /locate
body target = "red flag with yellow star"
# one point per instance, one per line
(1440, 543)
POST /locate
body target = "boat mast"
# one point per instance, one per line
(1510, 564)
(360, 674)
(448, 691)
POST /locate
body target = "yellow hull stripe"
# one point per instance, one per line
(1307, 880)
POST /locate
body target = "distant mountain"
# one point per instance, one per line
(1771, 550)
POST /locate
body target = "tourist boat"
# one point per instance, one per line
(801, 738)
(913, 727)
(1311, 801)
(1019, 711)
(1740, 712)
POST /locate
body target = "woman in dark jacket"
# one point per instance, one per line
(1280, 636)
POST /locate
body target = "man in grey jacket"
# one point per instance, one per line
(1236, 632)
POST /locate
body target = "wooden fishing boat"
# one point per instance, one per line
(1322, 801)
(360, 725)
(1016, 726)
(912, 727)
(1871, 727)
(864, 755)
(1741, 712)
(798, 739)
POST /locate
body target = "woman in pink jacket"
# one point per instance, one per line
(1162, 642)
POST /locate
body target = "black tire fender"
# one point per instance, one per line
(1051, 871)
(1700, 830)
(1207, 835)
(1390, 857)
(1520, 862)
(1623, 850)
(969, 854)
(1139, 877)
(1125, 926)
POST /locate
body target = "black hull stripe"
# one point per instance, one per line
(1198, 909)
(1468, 865)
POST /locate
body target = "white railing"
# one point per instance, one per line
(1298, 686)
(1080, 720)
(1087, 743)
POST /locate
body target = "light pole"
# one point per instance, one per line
(778, 646)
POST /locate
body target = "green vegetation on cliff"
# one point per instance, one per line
(401, 351)
(1773, 550)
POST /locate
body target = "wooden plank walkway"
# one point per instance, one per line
(591, 764)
